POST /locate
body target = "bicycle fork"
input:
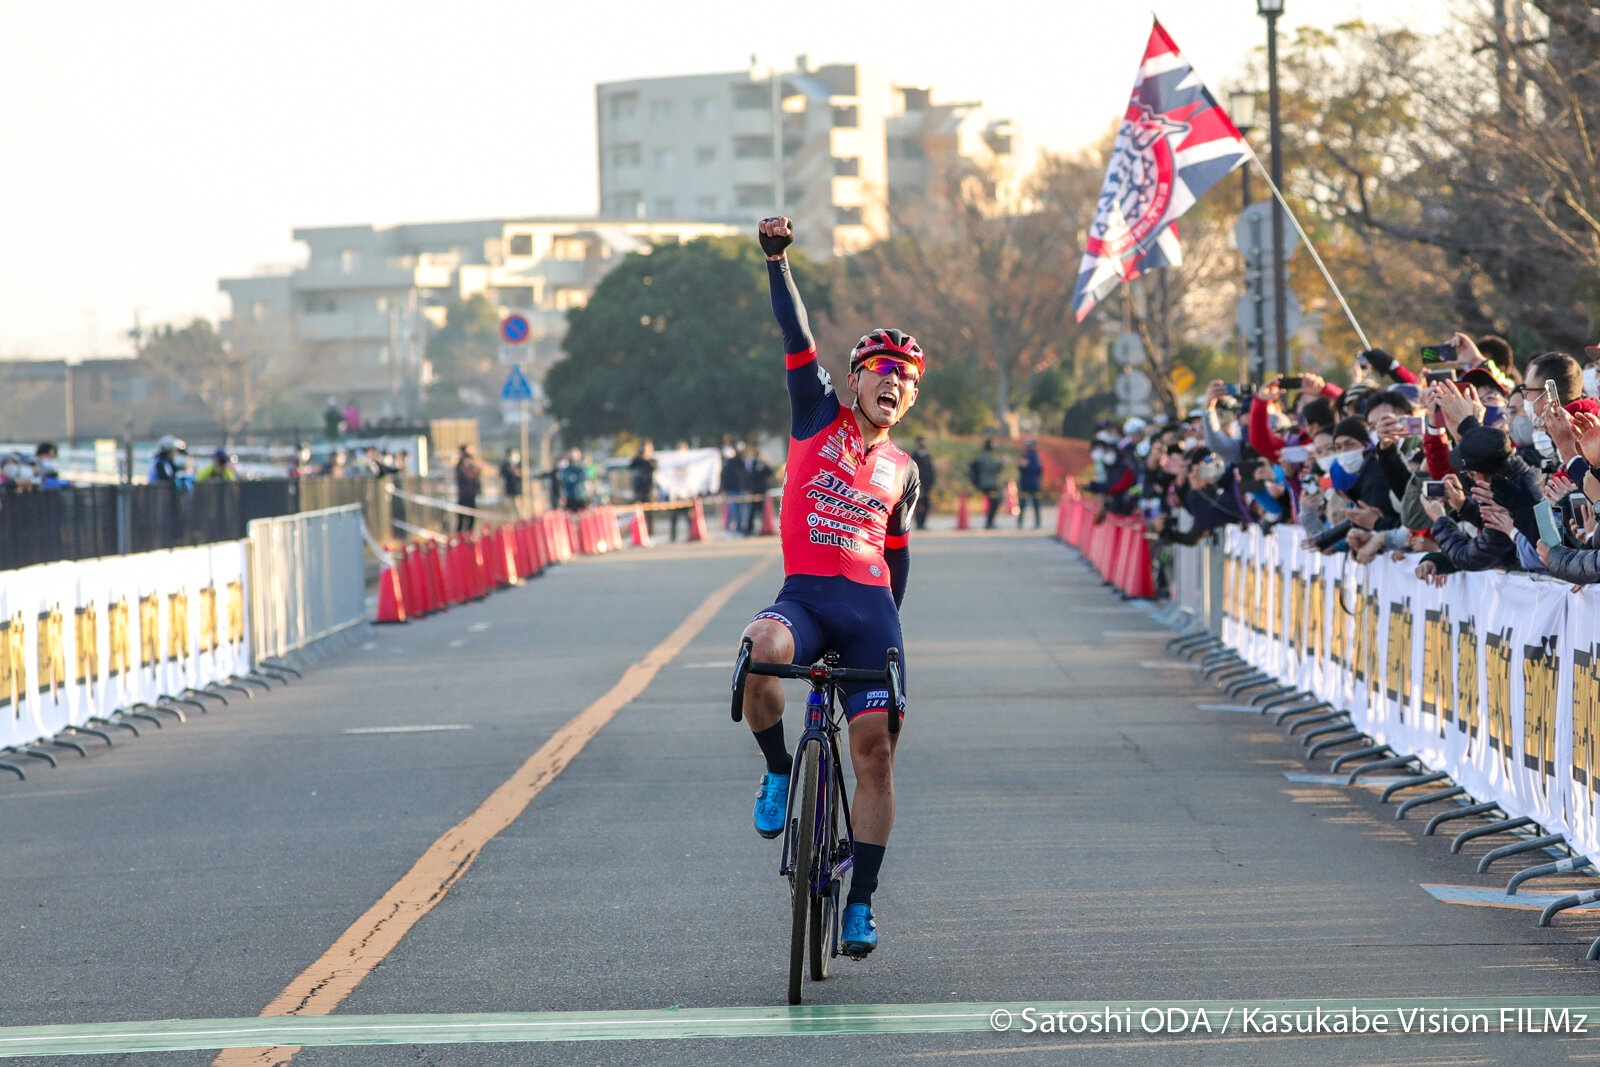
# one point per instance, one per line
(831, 865)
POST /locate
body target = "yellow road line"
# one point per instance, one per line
(322, 986)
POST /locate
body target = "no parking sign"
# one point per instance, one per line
(516, 340)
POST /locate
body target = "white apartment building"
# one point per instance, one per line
(738, 146)
(926, 140)
(354, 320)
(831, 147)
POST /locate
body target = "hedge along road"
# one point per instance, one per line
(1072, 829)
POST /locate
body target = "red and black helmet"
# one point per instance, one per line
(888, 342)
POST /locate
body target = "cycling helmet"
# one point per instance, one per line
(888, 342)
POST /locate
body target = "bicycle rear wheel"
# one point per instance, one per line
(803, 824)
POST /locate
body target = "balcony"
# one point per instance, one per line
(327, 326)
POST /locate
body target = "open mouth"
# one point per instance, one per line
(888, 402)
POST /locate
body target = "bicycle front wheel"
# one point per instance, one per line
(825, 907)
(803, 824)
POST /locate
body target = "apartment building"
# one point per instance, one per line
(829, 146)
(353, 321)
(741, 145)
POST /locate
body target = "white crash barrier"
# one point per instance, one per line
(80, 640)
(1493, 679)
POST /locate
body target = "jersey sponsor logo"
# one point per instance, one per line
(839, 487)
(823, 537)
(777, 616)
(825, 379)
(883, 473)
(839, 449)
(875, 571)
(877, 698)
(834, 524)
(832, 505)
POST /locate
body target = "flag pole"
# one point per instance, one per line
(1289, 213)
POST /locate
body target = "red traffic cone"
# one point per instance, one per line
(391, 602)
(433, 574)
(961, 513)
(1013, 505)
(615, 527)
(697, 521)
(641, 529)
(769, 518)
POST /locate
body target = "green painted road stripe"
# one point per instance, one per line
(173, 1035)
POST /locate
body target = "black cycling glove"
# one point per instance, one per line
(773, 244)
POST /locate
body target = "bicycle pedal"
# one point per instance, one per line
(857, 952)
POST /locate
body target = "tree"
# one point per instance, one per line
(464, 353)
(232, 379)
(973, 275)
(680, 343)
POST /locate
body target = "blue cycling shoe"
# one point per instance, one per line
(859, 934)
(772, 804)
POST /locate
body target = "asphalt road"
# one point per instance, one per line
(1072, 827)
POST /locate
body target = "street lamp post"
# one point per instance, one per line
(1242, 110)
(1270, 10)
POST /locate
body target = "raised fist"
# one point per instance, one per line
(776, 234)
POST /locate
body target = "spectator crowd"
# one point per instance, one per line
(1462, 458)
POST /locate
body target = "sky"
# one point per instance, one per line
(151, 147)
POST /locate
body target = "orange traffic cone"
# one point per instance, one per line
(697, 521)
(961, 512)
(769, 519)
(391, 602)
(641, 529)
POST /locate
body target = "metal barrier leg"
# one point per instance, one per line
(1460, 813)
(1574, 900)
(1363, 753)
(1335, 742)
(4, 766)
(174, 712)
(1405, 783)
(167, 698)
(279, 665)
(117, 722)
(207, 693)
(1274, 694)
(1229, 672)
(101, 734)
(1503, 851)
(249, 693)
(1336, 727)
(239, 680)
(67, 742)
(1249, 682)
(1305, 710)
(36, 753)
(1504, 826)
(145, 715)
(1573, 863)
(1428, 798)
(1313, 720)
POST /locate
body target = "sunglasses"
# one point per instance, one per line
(887, 365)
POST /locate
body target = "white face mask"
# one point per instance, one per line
(1351, 461)
(1591, 380)
(1325, 463)
(1142, 449)
(1211, 470)
(1546, 447)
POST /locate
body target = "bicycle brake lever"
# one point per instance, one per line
(741, 672)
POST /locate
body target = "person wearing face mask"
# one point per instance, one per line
(1356, 471)
(1207, 492)
(1501, 483)
(1219, 438)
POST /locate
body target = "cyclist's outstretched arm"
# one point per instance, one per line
(897, 542)
(812, 403)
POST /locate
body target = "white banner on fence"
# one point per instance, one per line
(1493, 678)
(81, 639)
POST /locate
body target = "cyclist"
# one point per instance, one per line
(848, 503)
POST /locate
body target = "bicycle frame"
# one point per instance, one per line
(822, 724)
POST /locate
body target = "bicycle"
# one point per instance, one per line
(815, 858)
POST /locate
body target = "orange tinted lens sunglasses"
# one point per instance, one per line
(886, 365)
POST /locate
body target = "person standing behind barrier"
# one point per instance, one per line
(642, 472)
(511, 480)
(332, 420)
(757, 480)
(574, 477)
(985, 476)
(1030, 477)
(220, 468)
(170, 461)
(927, 475)
(469, 483)
(733, 486)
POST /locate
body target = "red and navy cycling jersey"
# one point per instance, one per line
(847, 509)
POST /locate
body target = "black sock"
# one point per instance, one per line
(864, 879)
(772, 746)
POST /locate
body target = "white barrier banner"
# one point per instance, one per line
(1494, 678)
(81, 639)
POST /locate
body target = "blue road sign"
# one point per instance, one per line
(516, 387)
(514, 328)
